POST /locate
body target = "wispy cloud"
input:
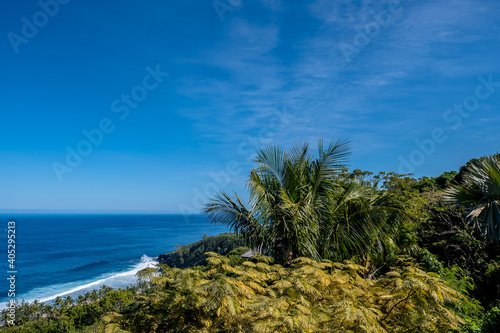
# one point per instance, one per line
(373, 100)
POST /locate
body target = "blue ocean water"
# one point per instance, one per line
(60, 255)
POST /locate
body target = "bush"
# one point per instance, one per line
(491, 321)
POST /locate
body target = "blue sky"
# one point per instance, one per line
(414, 85)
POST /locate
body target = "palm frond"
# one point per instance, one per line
(480, 191)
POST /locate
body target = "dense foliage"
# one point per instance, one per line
(343, 252)
(69, 315)
(302, 206)
(308, 296)
(259, 296)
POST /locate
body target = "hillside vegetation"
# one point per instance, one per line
(192, 255)
(343, 251)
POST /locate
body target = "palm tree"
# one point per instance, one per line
(68, 302)
(58, 307)
(362, 220)
(147, 274)
(94, 296)
(80, 300)
(303, 206)
(288, 194)
(480, 191)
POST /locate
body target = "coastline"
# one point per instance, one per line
(115, 280)
(89, 250)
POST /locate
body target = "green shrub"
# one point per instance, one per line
(491, 321)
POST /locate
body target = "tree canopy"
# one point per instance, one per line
(342, 251)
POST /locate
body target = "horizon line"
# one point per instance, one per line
(92, 211)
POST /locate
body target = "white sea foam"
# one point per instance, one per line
(114, 280)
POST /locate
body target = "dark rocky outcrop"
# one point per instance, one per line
(193, 254)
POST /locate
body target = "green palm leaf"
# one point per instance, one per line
(480, 191)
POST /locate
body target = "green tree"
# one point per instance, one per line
(289, 192)
(480, 192)
(361, 220)
(304, 205)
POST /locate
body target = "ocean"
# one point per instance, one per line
(71, 254)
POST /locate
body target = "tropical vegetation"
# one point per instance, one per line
(340, 251)
(191, 255)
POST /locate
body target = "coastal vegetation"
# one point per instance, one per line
(191, 255)
(340, 251)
